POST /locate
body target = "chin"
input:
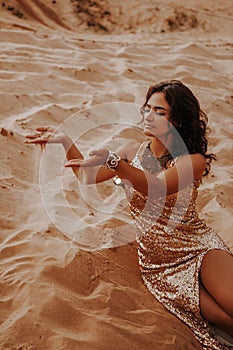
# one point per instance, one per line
(148, 133)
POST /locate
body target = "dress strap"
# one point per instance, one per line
(141, 149)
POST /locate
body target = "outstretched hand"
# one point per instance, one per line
(45, 134)
(98, 157)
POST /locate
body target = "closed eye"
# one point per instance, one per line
(147, 109)
(160, 113)
(157, 109)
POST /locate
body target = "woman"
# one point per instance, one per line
(184, 263)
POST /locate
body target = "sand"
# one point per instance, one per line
(69, 272)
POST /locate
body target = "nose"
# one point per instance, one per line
(149, 116)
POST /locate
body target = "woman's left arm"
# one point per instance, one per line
(186, 169)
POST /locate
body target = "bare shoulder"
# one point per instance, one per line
(128, 150)
(198, 162)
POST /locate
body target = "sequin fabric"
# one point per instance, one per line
(172, 241)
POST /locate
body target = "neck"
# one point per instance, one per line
(160, 147)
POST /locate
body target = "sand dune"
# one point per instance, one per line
(69, 272)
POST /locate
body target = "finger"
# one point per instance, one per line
(97, 152)
(43, 128)
(74, 160)
(73, 163)
(82, 163)
(94, 161)
(36, 141)
(93, 153)
(33, 136)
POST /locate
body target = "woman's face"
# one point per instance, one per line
(156, 116)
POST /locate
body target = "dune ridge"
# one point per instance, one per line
(106, 16)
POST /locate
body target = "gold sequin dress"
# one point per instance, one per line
(172, 241)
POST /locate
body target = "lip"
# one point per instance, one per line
(148, 126)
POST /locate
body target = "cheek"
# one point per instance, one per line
(164, 123)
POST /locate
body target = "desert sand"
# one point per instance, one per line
(69, 272)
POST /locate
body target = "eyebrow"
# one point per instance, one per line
(157, 107)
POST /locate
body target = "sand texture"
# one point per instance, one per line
(69, 276)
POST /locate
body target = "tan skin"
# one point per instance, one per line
(216, 273)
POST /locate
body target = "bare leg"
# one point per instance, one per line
(213, 313)
(216, 292)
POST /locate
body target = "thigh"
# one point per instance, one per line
(216, 275)
(211, 311)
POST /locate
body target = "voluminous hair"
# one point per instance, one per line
(186, 116)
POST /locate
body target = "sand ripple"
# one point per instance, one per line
(57, 289)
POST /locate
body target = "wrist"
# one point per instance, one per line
(66, 141)
(112, 161)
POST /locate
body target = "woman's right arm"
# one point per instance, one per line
(51, 134)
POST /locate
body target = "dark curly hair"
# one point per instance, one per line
(186, 116)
